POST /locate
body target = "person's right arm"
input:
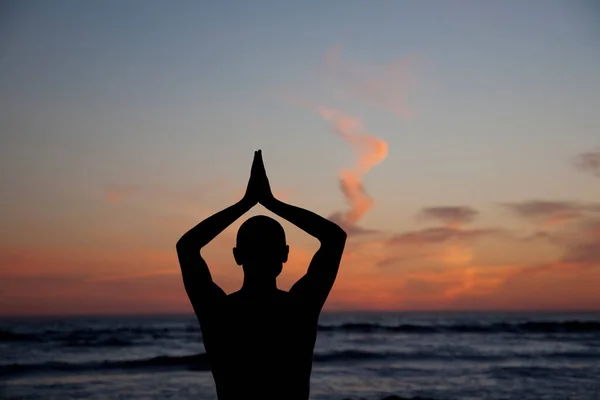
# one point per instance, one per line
(196, 275)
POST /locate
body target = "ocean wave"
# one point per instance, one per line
(9, 336)
(100, 337)
(350, 355)
(115, 337)
(99, 342)
(501, 327)
(360, 355)
(200, 361)
(195, 362)
(449, 356)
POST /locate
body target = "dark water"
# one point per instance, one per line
(358, 356)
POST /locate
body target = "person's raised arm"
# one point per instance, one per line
(196, 275)
(322, 271)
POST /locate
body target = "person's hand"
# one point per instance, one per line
(251, 196)
(262, 182)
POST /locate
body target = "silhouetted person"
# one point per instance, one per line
(260, 340)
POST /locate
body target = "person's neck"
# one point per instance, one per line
(259, 287)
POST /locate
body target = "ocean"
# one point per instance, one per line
(357, 356)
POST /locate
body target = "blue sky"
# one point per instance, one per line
(180, 93)
(509, 87)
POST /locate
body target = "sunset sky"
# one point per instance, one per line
(472, 126)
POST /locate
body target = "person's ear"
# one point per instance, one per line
(237, 254)
(285, 254)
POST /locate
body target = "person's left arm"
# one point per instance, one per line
(197, 279)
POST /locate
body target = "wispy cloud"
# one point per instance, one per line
(451, 216)
(589, 162)
(587, 254)
(370, 151)
(351, 229)
(551, 213)
(385, 85)
(439, 235)
(580, 247)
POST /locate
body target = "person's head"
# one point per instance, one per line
(261, 248)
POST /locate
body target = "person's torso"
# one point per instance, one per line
(263, 348)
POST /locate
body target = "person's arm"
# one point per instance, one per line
(322, 271)
(324, 230)
(196, 275)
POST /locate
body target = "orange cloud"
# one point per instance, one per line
(84, 261)
(454, 276)
(555, 286)
(69, 279)
(455, 255)
(114, 269)
(370, 151)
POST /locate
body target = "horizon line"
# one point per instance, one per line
(324, 312)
